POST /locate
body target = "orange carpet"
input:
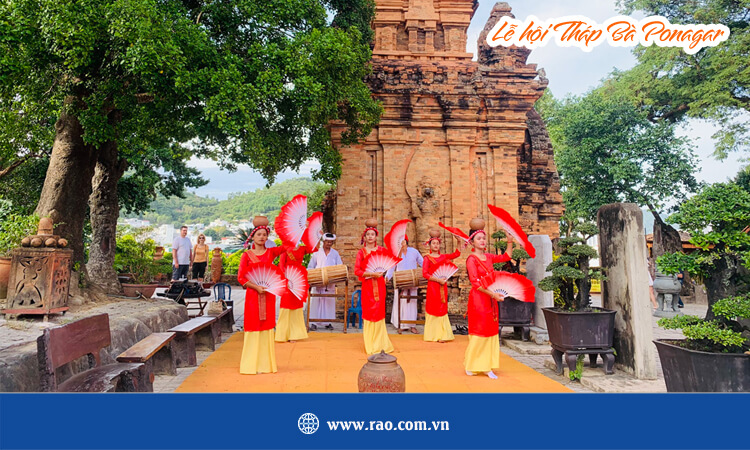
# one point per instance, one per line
(330, 362)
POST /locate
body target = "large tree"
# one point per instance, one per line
(713, 84)
(244, 81)
(607, 151)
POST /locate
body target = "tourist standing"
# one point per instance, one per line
(199, 258)
(291, 326)
(483, 353)
(407, 308)
(182, 255)
(437, 326)
(258, 354)
(373, 294)
(324, 307)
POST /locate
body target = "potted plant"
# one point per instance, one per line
(134, 256)
(574, 326)
(711, 358)
(512, 312)
(13, 228)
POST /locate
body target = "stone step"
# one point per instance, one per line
(597, 381)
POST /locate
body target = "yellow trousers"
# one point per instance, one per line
(291, 325)
(258, 355)
(482, 354)
(376, 337)
(437, 328)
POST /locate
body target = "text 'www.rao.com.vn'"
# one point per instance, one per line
(387, 425)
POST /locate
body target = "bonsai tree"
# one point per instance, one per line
(134, 255)
(722, 334)
(571, 275)
(717, 219)
(518, 256)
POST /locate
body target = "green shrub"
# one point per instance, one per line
(13, 228)
(135, 254)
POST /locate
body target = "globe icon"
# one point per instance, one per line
(308, 423)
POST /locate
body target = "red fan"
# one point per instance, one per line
(380, 261)
(314, 230)
(512, 228)
(291, 222)
(510, 285)
(396, 236)
(296, 277)
(456, 232)
(444, 270)
(268, 276)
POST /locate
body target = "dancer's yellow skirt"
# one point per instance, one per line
(291, 325)
(437, 328)
(376, 337)
(482, 354)
(258, 355)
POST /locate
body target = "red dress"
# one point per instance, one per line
(482, 309)
(288, 300)
(373, 289)
(252, 317)
(437, 294)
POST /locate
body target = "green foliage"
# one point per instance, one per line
(576, 375)
(607, 151)
(722, 334)
(135, 255)
(518, 255)
(23, 186)
(231, 263)
(14, 227)
(712, 84)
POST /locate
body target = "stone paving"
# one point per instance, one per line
(532, 355)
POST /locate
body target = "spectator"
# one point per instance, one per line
(182, 254)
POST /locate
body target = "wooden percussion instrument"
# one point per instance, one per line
(408, 278)
(325, 276)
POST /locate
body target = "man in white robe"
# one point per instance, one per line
(410, 259)
(324, 307)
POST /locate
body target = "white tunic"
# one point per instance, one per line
(407, 310)
(323, 307)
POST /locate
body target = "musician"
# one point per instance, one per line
(437, 327)
(410, 259)
(324, 307)
(291, 326)
(483, 353)
(258, 354)
(373, 294)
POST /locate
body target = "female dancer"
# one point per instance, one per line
(258, 354)
(200, 258)
(437, 326)
(373, 294)
(291, 326)
(483, 353)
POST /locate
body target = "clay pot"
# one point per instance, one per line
(476, 224)
(216, 265)
(381, 373)
(4, 276)
(434, 233)
(158, 253)
(371, 223)
(260, 221)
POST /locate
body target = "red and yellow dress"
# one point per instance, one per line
(437, 325)
(291, 326)
(373, 307)
(483, 352)
(258, 354)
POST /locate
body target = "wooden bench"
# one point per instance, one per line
(226, 321)
(60, 345)
(155, 350)
(201, 332)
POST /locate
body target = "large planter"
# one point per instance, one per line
(580, 330)
(136, 290)
(517, 314)
(4, 276)
(688, 370)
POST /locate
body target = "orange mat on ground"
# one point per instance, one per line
(330, 362)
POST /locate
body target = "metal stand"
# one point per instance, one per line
(336, 295)
(571, 357)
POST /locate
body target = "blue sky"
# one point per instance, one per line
(571, 71)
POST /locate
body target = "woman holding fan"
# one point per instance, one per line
(258, 354)
(437, 326)
(483, 353)
(373, 293)
(291, 326)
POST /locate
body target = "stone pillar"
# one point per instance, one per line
(536, 269)
(622, 252)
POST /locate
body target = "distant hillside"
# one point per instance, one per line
(239, 206)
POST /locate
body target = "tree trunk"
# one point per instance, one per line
(728, 278)
(666, 239)
(68, 183)
(104, 205)
(584, 285)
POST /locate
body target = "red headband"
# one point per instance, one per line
(427, 242)
(471, 236)
(252, 233)
(362, 239)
